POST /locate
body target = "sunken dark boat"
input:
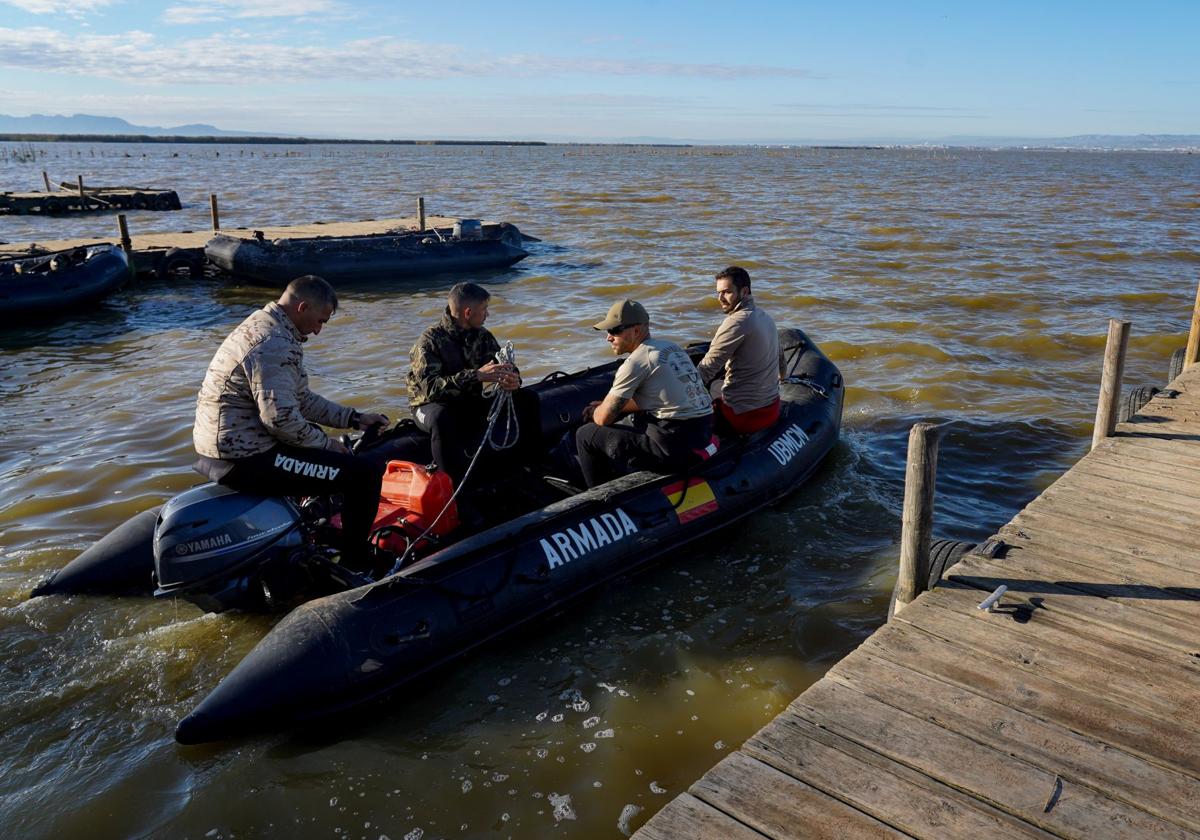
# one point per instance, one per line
(61, 281)
(372, 257)
(545, 547)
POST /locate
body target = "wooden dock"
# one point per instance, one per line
(70, 199)
(148, 250)
(1072, 710)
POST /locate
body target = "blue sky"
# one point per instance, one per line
(740, 72)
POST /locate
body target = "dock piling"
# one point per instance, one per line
(46, 180)
(79, 180)
(216, 217)
(123, 229)
(1192, 354)
(421, 213)
(920, 477)
(1110, 380)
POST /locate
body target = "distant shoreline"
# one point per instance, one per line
(26, 137)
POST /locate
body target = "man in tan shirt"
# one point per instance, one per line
(741, 367)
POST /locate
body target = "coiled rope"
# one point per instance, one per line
(502, 405)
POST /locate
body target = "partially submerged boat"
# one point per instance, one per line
(48, 284)
(468, 246)
(544, 545)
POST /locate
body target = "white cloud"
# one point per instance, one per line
(209, 11)
(74, 8)
(231, 58)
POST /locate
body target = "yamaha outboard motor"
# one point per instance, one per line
(221, 549)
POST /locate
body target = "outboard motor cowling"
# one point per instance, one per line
(210, 541)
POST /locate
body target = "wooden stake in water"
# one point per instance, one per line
(1110, 380)
(81, 196)
(46, 180)
(421, 213)
(920, 476)
(1192, 354)
(123, 229)
(216, 217)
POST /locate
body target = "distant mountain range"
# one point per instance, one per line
(89, 124)
(94, 126)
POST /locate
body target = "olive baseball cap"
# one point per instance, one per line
(623, 313)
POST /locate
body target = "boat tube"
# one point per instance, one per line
(61, 281)
(371, 257)
(541, 547)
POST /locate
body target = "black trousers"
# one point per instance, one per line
(606, 452)
(297, 471)
(456, 428)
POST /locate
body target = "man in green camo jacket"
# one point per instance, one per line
(451, 362)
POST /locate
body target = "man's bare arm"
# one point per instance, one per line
(610, 410)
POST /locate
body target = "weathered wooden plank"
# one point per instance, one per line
(1169, 690)
(995, 722)
(1046, 799)
(1103, 535)
(770, 801)
(685, 816)
(893, 793)
(1127, 518)
(1081, 709)
(1181, 453)
(1155, 484)
(1106, 604)
(1076, 556)
(1105, 477)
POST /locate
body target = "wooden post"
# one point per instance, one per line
(216, 217)
(421, 213)
(1192, 354)
(123, 228)
(1110, 380)
(46, 180)
(920, 476)
(81, 186)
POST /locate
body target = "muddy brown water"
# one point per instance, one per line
(968, 286)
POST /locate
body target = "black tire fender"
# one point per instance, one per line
(1134, 401)
(942, 555)
(1176, 366)
(176, 260)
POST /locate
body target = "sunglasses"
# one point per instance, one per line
(619, 330)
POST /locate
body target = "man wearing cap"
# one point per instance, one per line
(741, 367)
(657, 394)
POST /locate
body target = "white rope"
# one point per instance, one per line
(502, 403)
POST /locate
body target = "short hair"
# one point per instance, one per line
(737, 274)
(315, 290)
(467, 294)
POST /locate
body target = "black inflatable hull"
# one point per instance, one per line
(122, 563)
(348, 648)
(365, 258)
(37, 292)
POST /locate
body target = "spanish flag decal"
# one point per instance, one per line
(691, 502)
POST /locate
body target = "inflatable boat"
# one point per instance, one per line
(366, 633)
(466, 247)
(62, 281)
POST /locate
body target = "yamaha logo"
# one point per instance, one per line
(197, 546)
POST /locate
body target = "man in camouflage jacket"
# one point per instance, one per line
(451, 362)
(256, 419)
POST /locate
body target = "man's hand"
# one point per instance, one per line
(589, 410)
(336, 445)
(505, 375)
(370, 419)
